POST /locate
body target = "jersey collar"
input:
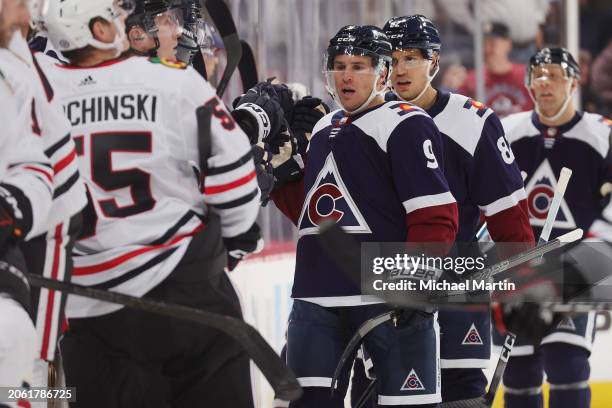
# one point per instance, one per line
(439, 104)
(553, 131)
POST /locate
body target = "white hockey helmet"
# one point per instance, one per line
(67, 22)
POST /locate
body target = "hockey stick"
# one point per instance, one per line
(564, 178)
(220, 14)
(247, 67)
(345, 252)
(486, 401)
(280, 377)
(363, 330)
(367, 394)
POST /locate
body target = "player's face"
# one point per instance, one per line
(354, 77)
(410, 73)
(549, 85)
(169, 29)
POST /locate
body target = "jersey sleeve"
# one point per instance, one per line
(230, 181)
(414, 150)
(496, 186)
(27, 175)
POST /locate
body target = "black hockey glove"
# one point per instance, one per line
(261, 114)
(280, 92)
(242, 245)
(8, 228)
(264, 169)
(306, 113)
(527, 320)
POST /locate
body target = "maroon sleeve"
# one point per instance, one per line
(290, 199)
(511, 225)
(434, 224)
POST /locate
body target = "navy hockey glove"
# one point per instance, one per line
(263, 167)
(306, 113)
(280, 92)
(242, 245)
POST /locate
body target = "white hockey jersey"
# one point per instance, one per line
(25, 75)
(25, 172)
(134, 124)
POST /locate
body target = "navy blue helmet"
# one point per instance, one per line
(359, 40)
(415, 31)
(559, 56)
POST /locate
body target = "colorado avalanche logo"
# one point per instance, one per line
(412, 382)
(541, 189)
(329, 199)
(472, 338)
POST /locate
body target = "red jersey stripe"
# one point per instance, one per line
(63, 163)
(221, 188)
(104, 266)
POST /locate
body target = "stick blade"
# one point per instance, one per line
(571, 236)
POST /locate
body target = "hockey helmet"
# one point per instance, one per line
(553, 56)
(415, 31)
(67, 22)
(365, 41)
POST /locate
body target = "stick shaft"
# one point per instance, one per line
(564, 178)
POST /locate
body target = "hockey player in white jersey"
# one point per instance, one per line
(483, 177)
(26, 181)
(555, 135)
(49, 253)
(39, 41)
(152, 227)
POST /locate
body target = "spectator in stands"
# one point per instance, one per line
(601, 78)
(523, 16)
(504, 80)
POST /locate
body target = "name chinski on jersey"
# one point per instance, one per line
(112, 108)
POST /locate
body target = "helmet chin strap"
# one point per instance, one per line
(430, 78)
(568, 98)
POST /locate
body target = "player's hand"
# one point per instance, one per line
(242, 245)
(7, 220)
(306, 113)
(527, 320)
(265, 175)
(261, 109)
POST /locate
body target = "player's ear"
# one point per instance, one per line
(136, 37)
(435, 62)
(102, 30)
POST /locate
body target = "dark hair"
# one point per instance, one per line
(79, 55)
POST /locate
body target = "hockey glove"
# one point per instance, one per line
(8, 207)
(306, 113)
(242, 245)
(265, 176)
(259, 115)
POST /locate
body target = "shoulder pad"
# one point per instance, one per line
(168, 63)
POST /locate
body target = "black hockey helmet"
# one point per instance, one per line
(368, 41)
(558, 55)
(144, 13)
(415, 31)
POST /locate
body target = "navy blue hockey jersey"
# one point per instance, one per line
(376, 174)
(583, 145)
(480, 168)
